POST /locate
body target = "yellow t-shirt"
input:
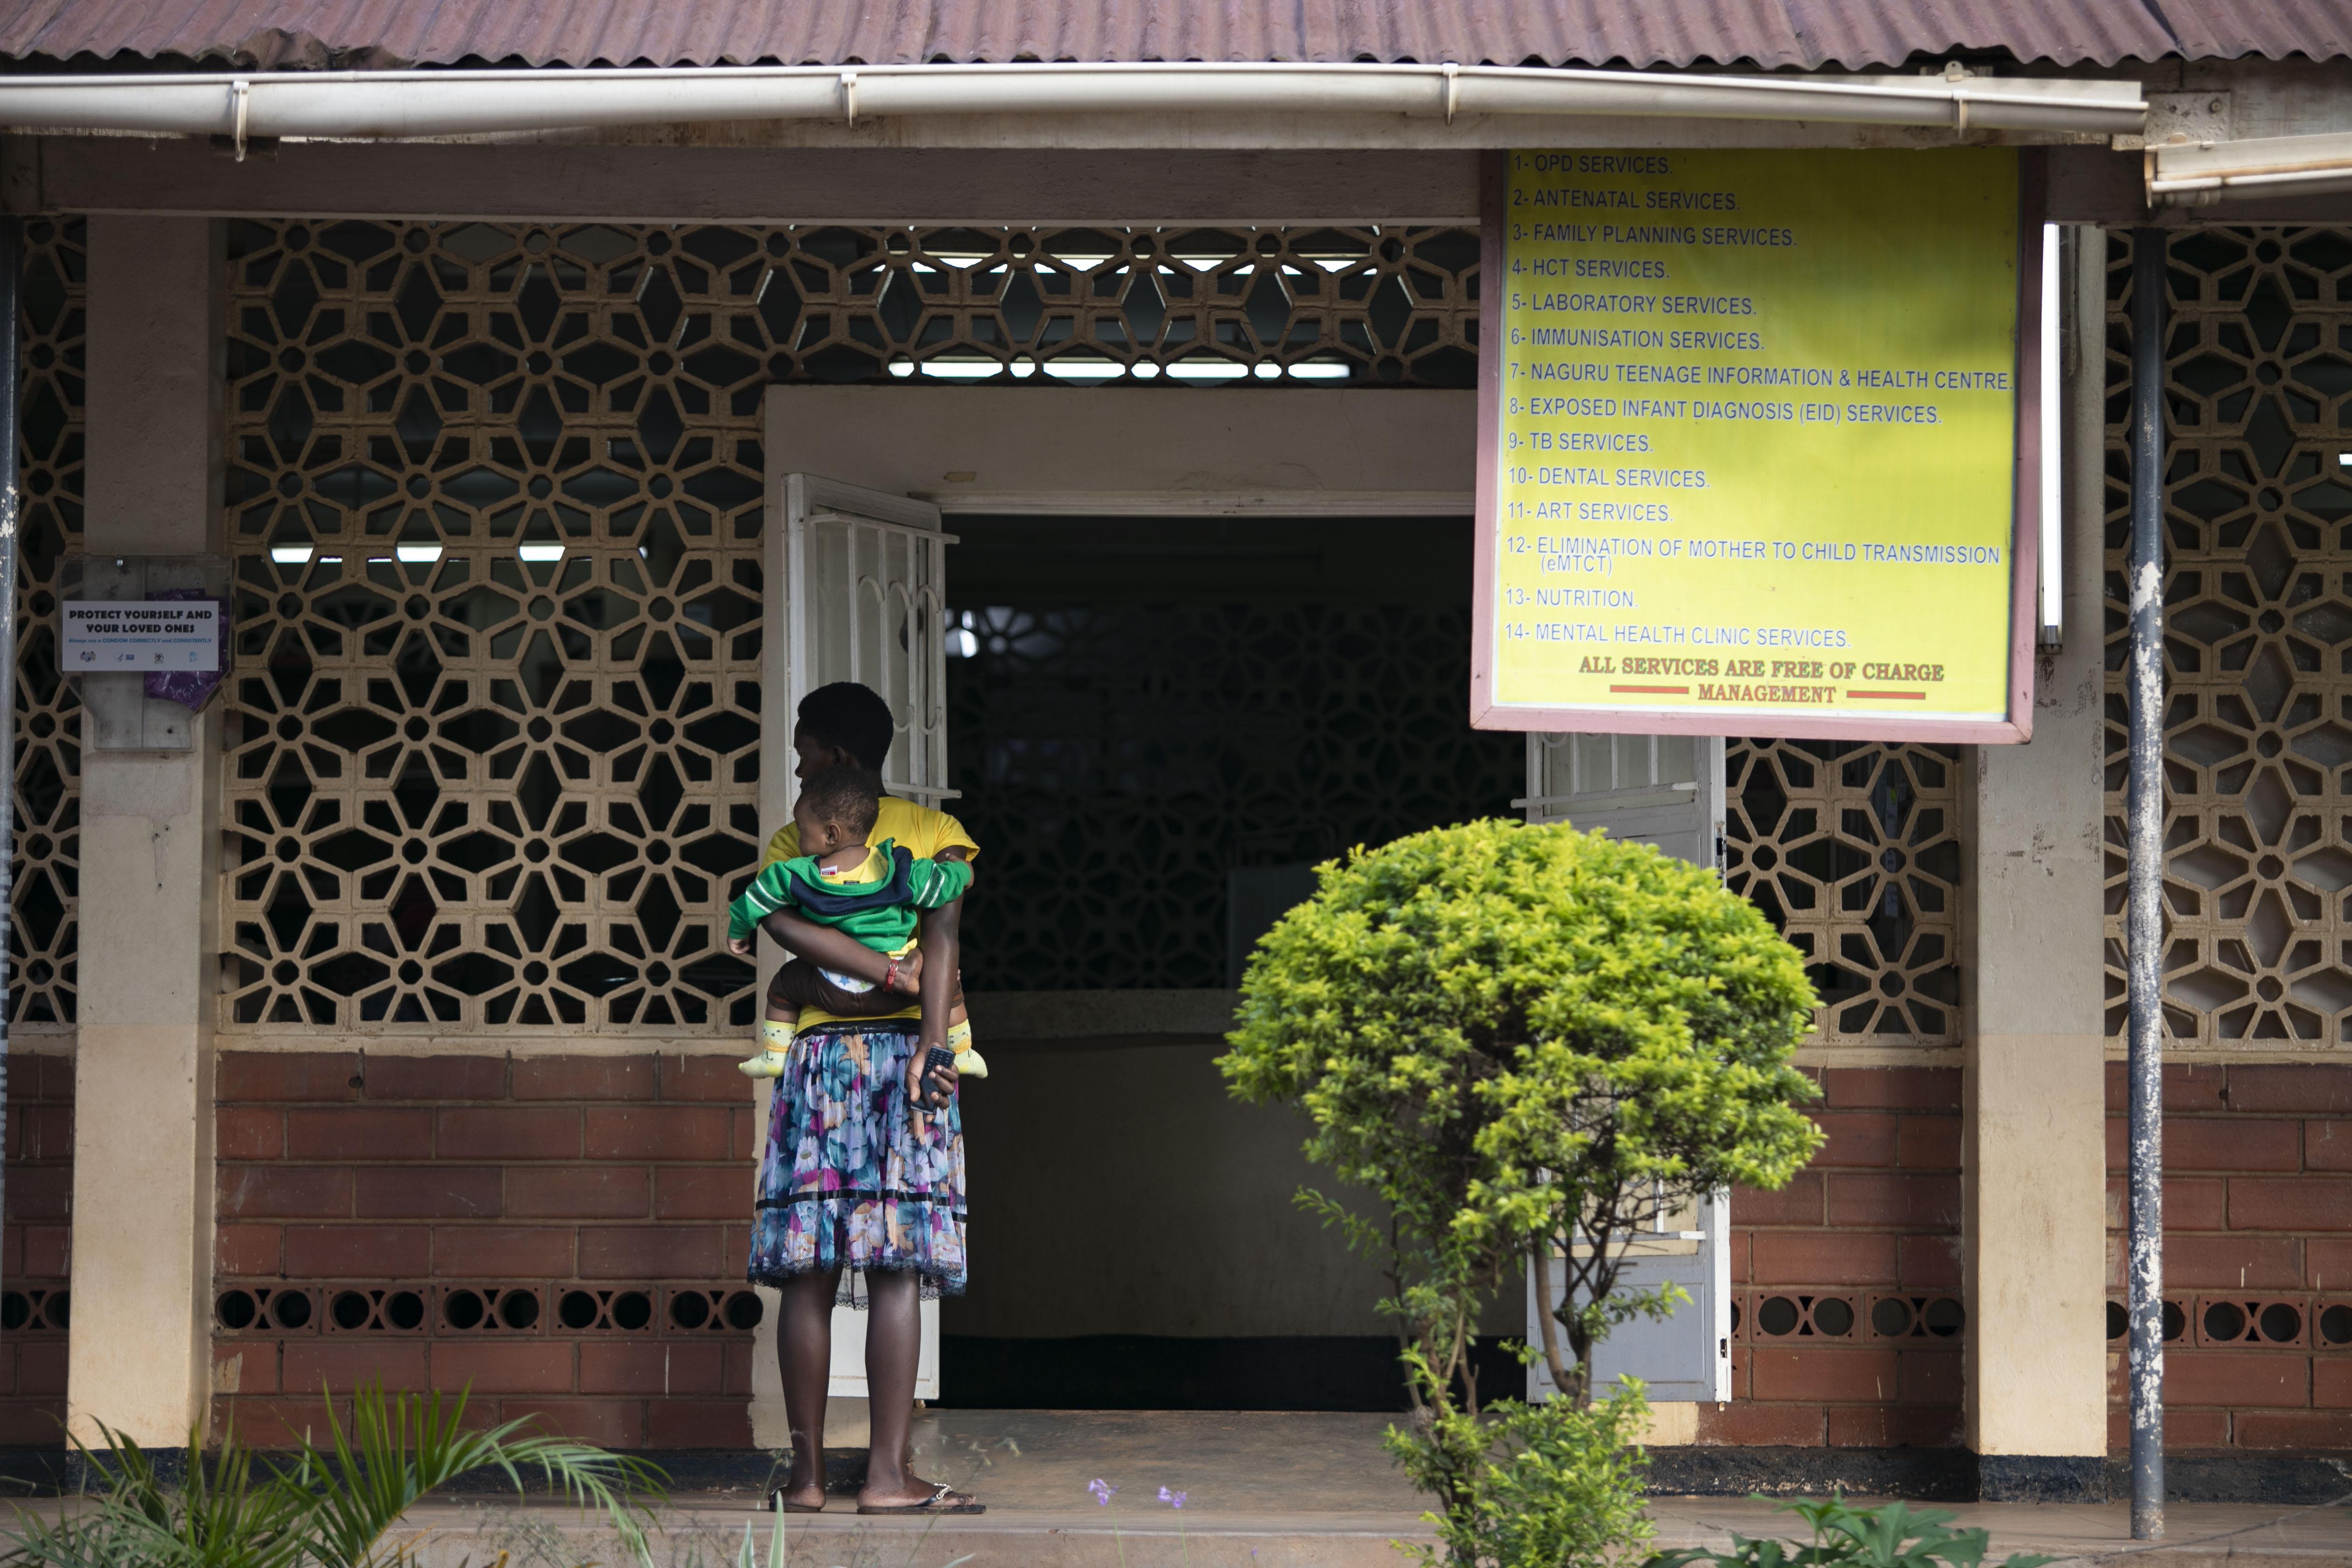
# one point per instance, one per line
(924, 832)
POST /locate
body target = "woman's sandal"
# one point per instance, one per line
(777, 1502)
(944, 1499)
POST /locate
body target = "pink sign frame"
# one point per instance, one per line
(2026, 535)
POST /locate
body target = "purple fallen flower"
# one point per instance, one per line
(1103, 1491)
(1173, 1499)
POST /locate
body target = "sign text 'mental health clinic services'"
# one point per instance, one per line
(1750, 442)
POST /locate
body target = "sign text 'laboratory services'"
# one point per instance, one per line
(1751, 430)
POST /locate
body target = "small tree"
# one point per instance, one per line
(1523, 1041)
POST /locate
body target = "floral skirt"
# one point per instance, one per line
(853, 1179)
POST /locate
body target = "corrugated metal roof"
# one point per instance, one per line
(1853, 33)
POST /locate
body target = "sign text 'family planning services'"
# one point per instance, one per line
(1750, 443)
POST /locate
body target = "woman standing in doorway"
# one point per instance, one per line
(864, 1169)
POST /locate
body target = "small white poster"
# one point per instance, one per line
(105, 635)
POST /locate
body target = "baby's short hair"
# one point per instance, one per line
(845, 793)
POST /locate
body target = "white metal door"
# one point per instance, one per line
(1665, 790)
(863, 573)
(863, 578)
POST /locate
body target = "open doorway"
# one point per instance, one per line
(1157, 727)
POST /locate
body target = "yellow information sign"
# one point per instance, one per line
(1751, 443)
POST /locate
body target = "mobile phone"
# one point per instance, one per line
(940, 1056)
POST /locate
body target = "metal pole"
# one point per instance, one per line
(12, 274)
(2143, 917)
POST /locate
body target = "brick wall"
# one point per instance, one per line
(566, 1234)
(2257, 1255)
(35, 1250)
(1847, 1320)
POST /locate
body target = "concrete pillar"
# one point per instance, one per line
(142, 1213)
(2034, 1158)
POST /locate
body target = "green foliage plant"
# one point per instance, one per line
(321, 1508)
(1548, 1484)
(1891, 1536)
(1524, 1045)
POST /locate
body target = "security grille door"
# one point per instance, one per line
(1665, 790)
(863, 576)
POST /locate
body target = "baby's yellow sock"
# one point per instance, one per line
(769, 1060)
(969, 1063)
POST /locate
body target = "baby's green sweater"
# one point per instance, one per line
(879, 912)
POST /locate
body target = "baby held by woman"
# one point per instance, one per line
(874, 893)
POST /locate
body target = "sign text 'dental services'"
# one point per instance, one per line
(1750, 428)
(98, 636)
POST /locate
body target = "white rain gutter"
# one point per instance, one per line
(2200, 173)
(415, 105)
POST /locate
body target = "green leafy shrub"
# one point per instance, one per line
(1540, 1486)
(1507, 1038)
(319, 1508)
(1891, 1536)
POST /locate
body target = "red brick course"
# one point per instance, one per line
(1878, 1212)
(579, 1191)
(1896, 1427)
(2229, 1263)
(37, 1240)
(2315, 1089)
(1856, 1138)
(633, 1173)
(653, 1252)
(657, 1132)
(2310, 1203)
(1839, 1375)
(1931, 1263)
(442, 1176)
(2266, 1219)
(1747, 1425)
(584, 1078)
(357, 1252)
(1824, 1257)
(501, 1134)
(504, 1252)
(359, 1134)
(698, 1423)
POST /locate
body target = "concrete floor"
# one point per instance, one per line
(1265, 1491)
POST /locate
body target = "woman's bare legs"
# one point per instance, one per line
(894, 1343)
(804, 1357)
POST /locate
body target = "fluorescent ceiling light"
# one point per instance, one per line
(961, 368)
(1083, 368)
(1207, 370)
(540, 552)
(1319, 370)
(290, 554)
(413, 553)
